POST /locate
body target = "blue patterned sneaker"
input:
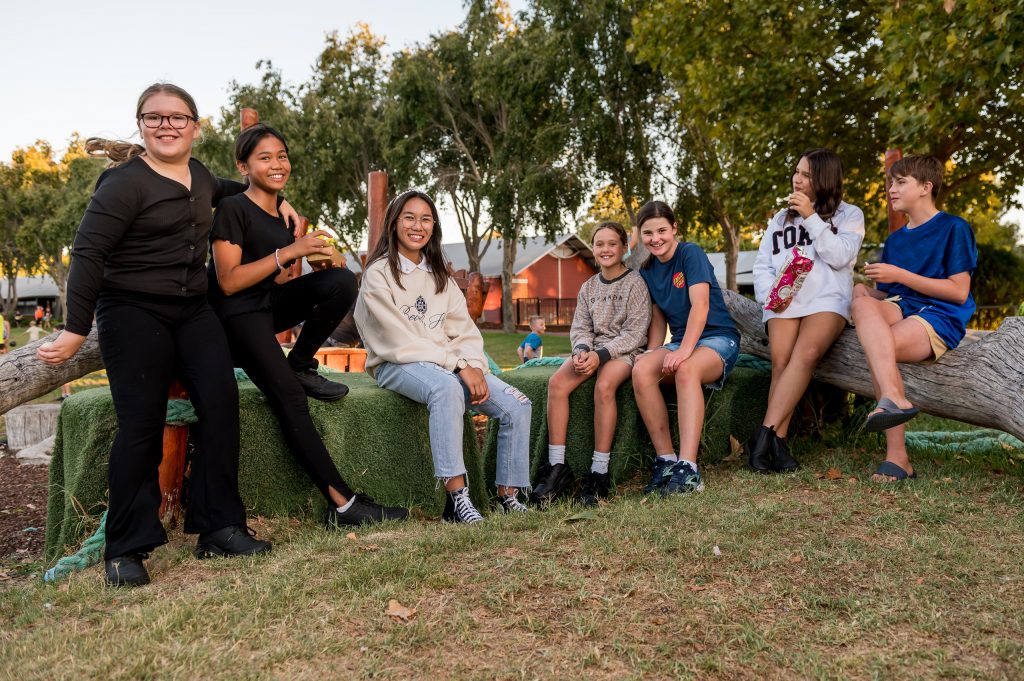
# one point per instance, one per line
(659, 476)
(684, 478)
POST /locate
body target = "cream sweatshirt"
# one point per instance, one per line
(415, 324)
(829, 285)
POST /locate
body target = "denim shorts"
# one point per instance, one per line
(728, 349)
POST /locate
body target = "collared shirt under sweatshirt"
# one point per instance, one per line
(612, 316)
(143, 233)
(415, 323)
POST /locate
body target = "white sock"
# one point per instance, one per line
(600, 462)
(556, 454)
(342, 509)
(668, 457)
(693, 464)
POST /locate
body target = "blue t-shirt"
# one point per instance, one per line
(669, 284)
(937, 249)
(533, 340)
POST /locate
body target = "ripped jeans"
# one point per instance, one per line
(447, 400)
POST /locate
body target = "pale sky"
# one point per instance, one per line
(80, 65)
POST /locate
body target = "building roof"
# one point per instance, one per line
(535, 248)
(38, 286)
(744, 267)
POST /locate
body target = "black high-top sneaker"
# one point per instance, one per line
(459, 509)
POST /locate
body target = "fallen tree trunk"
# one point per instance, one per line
(977, 383)
(24, 378)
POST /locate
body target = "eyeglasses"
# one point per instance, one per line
(176, 121)
(426, 222)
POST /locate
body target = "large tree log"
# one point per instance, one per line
(24, 378)
(977, 383)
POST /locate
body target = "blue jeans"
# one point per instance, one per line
(727, 347)
(447, 399)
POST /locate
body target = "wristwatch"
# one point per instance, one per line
(460, 365)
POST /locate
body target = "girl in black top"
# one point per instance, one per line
(138, 262)
(251, 292)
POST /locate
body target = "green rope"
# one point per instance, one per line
(964, 442)
(542, 362)
(495, 369)
(86, 556)
(756, 363)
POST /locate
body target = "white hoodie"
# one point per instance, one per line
(829, 285)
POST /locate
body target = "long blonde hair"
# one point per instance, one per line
(119, 151)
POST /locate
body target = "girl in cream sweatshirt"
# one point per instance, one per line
(421, 343)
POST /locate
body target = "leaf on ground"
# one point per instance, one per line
(582, 515)
(833, 474)
(351, 535)
(4, 576)
(399, 612)
(369, 547)
(949, 5)
(795, 558)
(659, 620)
(717, 551)
(643, 501)
(735, 449)
(698, 587)
(852, 480)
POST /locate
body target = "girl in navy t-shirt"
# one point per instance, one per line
(702, 350)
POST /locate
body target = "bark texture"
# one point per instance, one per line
(24, 378)
(977, 382)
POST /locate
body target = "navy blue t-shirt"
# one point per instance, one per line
(669, 283)
(937, 249)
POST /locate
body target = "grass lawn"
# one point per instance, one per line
(820, 574)
(502, 346)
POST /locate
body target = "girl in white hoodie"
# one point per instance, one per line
(829, 232)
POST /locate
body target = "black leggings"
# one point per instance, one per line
(321, 299)
(145, 342)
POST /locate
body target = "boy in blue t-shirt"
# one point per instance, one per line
(921, 304)
(533, 346)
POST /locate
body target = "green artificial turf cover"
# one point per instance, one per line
(378, 439)
(735, 410)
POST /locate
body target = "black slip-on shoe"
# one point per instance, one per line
(759, 450)
(556, 482)
(594, 488)
(782, 459)
(127, 570)
(233, 540)
(318, 387)
(364, 511)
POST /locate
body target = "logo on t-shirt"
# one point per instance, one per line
(421, 305)
(678, 280)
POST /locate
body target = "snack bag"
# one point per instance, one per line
(789, 280)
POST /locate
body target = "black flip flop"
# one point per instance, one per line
(890, 416)
(888, 468)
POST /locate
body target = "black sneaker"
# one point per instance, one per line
(233, 540)
(510, 504)
(553, 482)
(364, 511)
(660, 474)
(594, 487)
(459, 509)
(782, 459)
(127, 570)
(318, 387)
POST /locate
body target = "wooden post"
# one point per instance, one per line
(896, 220)
(172, 465)
(376, 204)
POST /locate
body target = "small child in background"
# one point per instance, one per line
(532, 346)
(34, 331)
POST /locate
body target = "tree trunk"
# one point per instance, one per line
(508, 260)
(11, 301)
(977, 383)
(24, 378)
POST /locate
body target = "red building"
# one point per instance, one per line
(546, 278)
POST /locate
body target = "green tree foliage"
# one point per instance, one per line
(616, 104)
(755, 84)
(952, 77)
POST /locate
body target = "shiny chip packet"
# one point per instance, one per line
(789, 280)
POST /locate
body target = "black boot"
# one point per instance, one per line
(759, 450)
(127, 570)
(782, 460)
(553, 482)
